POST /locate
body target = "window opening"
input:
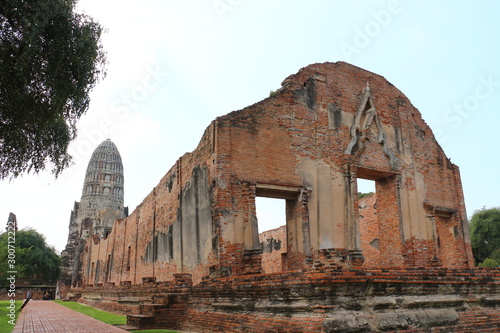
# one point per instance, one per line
(271, 213)
(365, 187)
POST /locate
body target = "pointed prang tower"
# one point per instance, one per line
(102, 193)
(101, 204)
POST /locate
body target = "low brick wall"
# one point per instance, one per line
(321, 300)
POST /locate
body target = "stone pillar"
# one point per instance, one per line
(304, 212)
(352, 233)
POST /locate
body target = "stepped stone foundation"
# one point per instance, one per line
(322, 300)
(191, 255)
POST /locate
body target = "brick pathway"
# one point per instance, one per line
(46, 316)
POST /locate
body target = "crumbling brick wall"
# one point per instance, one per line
(308, 143)
(273, 246)
(170, 231)
(370, 230)
(323, 300)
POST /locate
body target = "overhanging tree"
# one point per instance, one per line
(50, 59)
(485, 234)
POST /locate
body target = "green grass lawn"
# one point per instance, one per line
(5, 326)
(109, 318)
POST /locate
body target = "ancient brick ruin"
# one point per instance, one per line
(101, 204)
(191, 255)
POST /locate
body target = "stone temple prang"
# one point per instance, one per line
(100, 205)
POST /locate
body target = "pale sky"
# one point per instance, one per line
(174, 66)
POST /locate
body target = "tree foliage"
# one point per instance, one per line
(50, 59)
(489, 263)
(363, 195)
(34, 259)
(485, 234)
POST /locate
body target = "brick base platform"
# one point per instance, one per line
(321, 300)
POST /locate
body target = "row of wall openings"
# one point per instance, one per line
(106, 156)
(106, 177)
(108, 166)
(95, 189)
(271, 216)
(271, 212)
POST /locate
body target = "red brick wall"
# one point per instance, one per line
(193, 245)
(370, 230)
(274, 245)
(200, 218)
(153, 218)
(323, 300)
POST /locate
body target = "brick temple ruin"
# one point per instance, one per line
(101, 204)
(191, 255)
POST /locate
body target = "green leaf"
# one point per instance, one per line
(485, 234)
(50, 59)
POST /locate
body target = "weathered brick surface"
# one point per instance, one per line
(322, 300)
(370, 231)
(327, 126)
(273, 245)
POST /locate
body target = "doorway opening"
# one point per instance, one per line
(369, 226)
(271, 219)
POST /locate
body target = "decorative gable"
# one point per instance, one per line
(365, 118)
